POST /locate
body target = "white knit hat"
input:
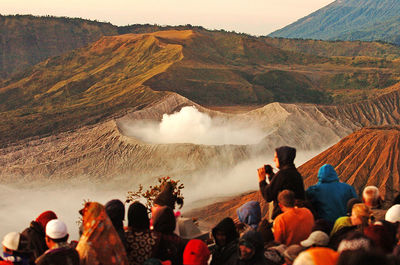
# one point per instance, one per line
(11, 240)
(56, 229)
(393, 214)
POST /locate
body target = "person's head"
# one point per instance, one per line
(286, 199)
(225, 232)
(56, 232)
(250, 244)
(44, 218)
(14, 243)
(316, 239)
(370, 196)
(284, 155)
(196, 253)
(380, 236)
(138, 217)
(360, 214)
(393, 214)
(115, 209)
(327, 174)
(164, 220)
(350, 204)
(250, 213)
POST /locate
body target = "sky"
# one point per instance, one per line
(255, 17)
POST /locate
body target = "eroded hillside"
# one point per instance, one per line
(369, 156)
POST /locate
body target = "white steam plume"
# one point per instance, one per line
(191, 126)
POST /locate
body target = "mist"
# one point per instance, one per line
(21, 204)
(192, 126)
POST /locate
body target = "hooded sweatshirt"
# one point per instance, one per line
(287, 178)
(250, 214)
(253, 240)
(330, 196)
(223, 254)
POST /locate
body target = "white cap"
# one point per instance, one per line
(11, 240)
(393, 214)
(56, 229)
(318, 238)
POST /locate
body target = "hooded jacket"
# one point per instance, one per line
(223, 254)
(330, 196)
(250, 213)
(252, 239)
(287, 178)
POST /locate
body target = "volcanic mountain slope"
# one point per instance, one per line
(102, 152)
(369, 156)
(28, 40)
(78, 153)
(349, 20)
(121, 73)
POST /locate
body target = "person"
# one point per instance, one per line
(115, 209)
(35, 233)
(171, 245)
(373, 200)
(15, 249)
(294, 224)
(249, 214)
(287, 178)
(226, 240)
(196, 253)
(99, 243)
(359, 219)
(329, 196)
(362, 257)
(251, 250)
(393, 214)
(142, 243)
(381, 237)
(316, 239)
(59, 252)
(291, 253)
(317, 256)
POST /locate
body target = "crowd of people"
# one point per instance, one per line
(327, 224)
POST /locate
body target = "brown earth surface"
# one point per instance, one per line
(369, 156)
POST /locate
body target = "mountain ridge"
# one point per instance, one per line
(342, 19)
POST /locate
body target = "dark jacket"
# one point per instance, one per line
(254, 239)
(59, 256)
(287, 178)
(35, 236)
(223, 254)
(171, 245)
(329, 196)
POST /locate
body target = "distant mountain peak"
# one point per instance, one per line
(367, 20)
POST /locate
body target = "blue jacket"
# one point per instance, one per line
(330, 196)
(250, 213)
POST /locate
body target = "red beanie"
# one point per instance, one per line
(45, 217)
(196, 253)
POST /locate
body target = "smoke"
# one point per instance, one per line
(191, 126)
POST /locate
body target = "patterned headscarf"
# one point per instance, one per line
(99, 241)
